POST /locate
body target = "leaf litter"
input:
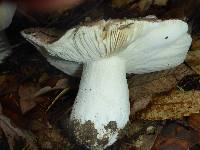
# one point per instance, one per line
(154, 97)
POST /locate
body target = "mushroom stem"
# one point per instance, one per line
(102, 105)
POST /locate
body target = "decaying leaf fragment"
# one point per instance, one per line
(193, 60)
(119, 3)
(175, 137)
(193, 57)
(194, 122)
(48, 136)
(196, 44)
(14, 133)
(60, 85)
(143, 87)
(146, 139)
(160, 2)
(143, 4)
(174, 105)
(26, 94)
(139, 135)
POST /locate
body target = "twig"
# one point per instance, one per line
(57, 97)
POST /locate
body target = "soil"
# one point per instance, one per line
(86, 134)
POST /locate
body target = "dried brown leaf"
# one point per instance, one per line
(193, 60)
(143, 87)
(60, 85)
(194, 122)
(27, 91)
(140, 135)
(160, 2)
(145, 142)
(48, 135)
(26, 105)
(173, 105)
(2, 79)
(8, 83)
(27, 96)
(175, 137)
(119, 3)
(144, 5)
(43, 91)
(181, 9)
(196, 44)
(12, 133)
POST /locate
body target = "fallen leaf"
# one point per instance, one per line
(43, 91)
(26, 105)
(60, 85)
(181, 9)
(139, 135)
(140, 103)
(145, 142)
(2, 79)
(144, 5)
(43, 78)
(193, 60)
(173, 105)
(190, 82)
(48, 135)
(27, 97)
(160, 2)
(194, 122)
(49, 6)
(175, 137)
(26, 91)
(143, 87)
(13, 133)
(119, 3)
(8, 83)
(196, 44)
(147, 139)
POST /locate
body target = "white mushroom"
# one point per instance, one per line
(108, 50)
(7, 10)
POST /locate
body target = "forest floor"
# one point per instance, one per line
(36, 98)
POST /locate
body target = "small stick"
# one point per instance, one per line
(57, 97)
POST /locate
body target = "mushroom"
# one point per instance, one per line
(7, 10)
(108, 50)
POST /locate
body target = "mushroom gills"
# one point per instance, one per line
(102, 107)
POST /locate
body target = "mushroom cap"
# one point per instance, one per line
(7, 10)
(68, 67)
(146, 44)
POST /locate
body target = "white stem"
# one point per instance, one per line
(103, 97)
